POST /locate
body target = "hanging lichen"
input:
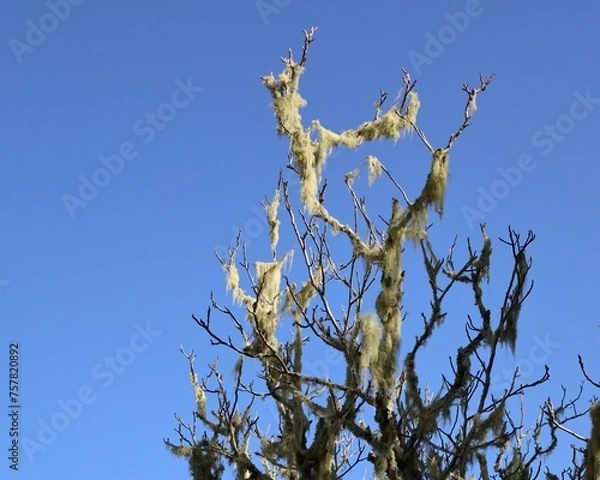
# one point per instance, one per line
(390, 125)
(388, 302)
(435, 188)
(592, 454)
(310, 156)
(375, 168)
(199, 395)
(287, 101)
(272, 219)
(432, 195)
(310, 149)
(266, 308)
(413, 107)
(232, 283)
(482, 263)
(351, 176)
(416, 228)
(371, 337)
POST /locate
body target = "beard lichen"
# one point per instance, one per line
(435, 188)
(262, 309)
(272, 219)
(310, 149)
(310, 156)
(371, 338)
(232, 284)
(390, 125)
(388, 302)
(375, 169)
(198, 394)
(297, 301)
(266, 308)
(432, 195)
(482, 263)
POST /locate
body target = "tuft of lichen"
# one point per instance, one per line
(371, 337)
(273, 220)
(416, 228)
(232, 283)
(391, 125)
(310, 149)
(310, 156)
(199, 395)
(483, 261)
(351, 176)
(435, 188)
(413, 107)
(266, 308)
(388, 302)
(297, 301)
(375, 169)
(432, 195)
(286, 100)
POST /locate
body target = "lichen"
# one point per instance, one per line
(375, 168)
(273, 220)
(435, 187)
(266, 309)
(371, 337)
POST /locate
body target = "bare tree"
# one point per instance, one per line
(375, 414)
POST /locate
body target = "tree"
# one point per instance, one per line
(376, 411)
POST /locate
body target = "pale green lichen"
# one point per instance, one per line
(413, 107)
(432, 195)
(388, 302)
(232, 284)
(286, 100)
(371, 338)
(273, 220)
(435, 188)
(310, 156)
(375, 168)
(484, 259)
(199, 395)
(351, 176)
(262, 309)
(266, 308)
(297, 301)
(310, 149)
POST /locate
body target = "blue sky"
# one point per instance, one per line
(99, 282)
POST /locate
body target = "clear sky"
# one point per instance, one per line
(100, 271)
